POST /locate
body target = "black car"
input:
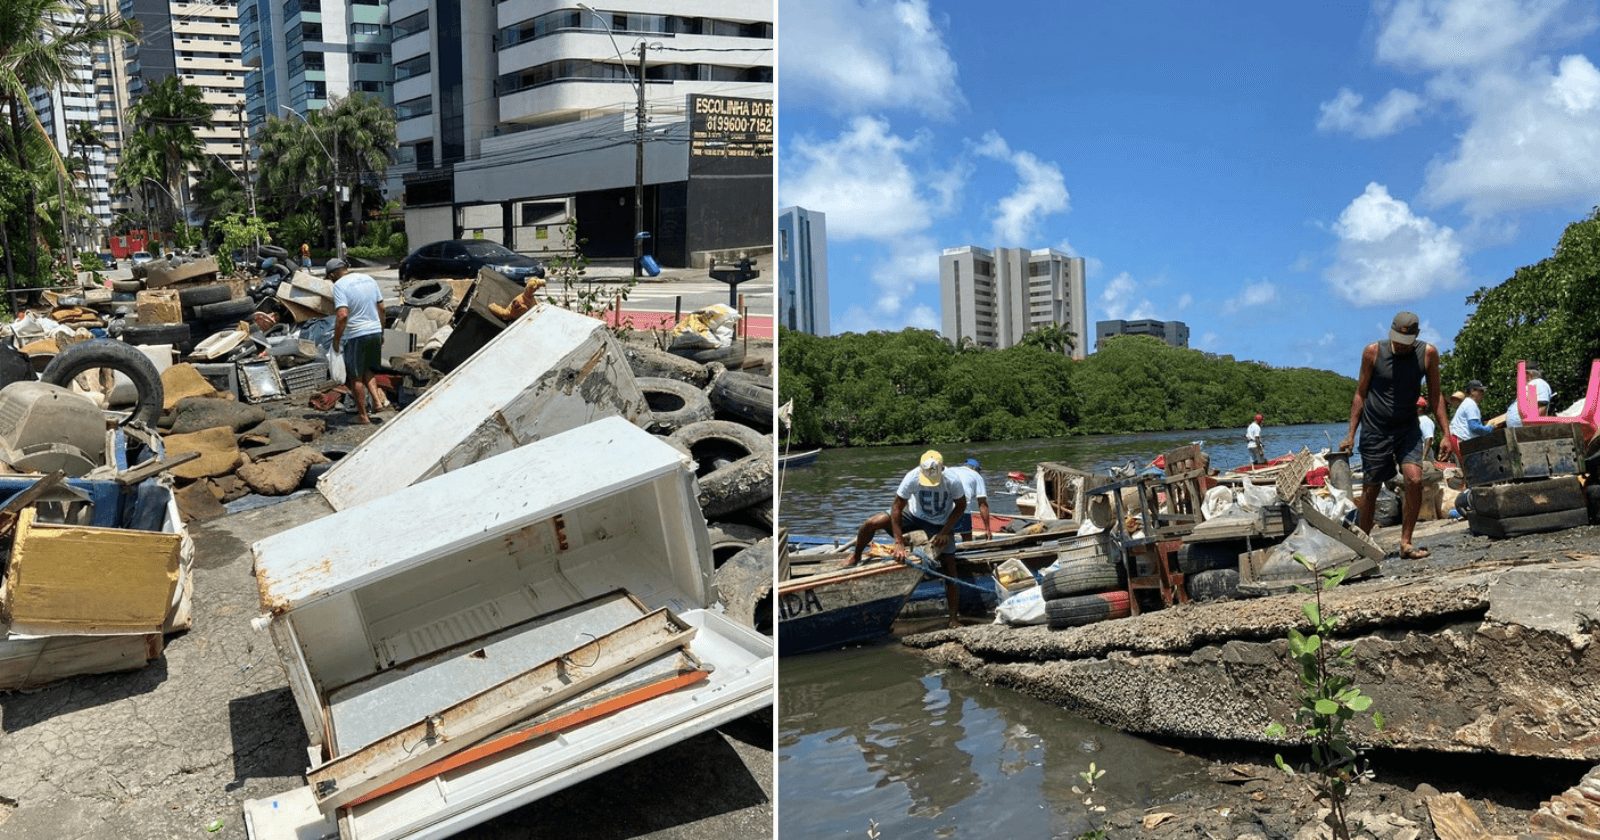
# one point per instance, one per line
(463, 258)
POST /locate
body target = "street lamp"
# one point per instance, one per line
(338, 232)
(638, 139)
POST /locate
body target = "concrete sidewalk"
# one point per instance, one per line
(162, 752)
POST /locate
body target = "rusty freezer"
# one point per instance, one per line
(472, 553)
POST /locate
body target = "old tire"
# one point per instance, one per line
(274, 251)
(1194, 558)
(1085, 609)
(673, 404)
(120, 357)
(744, 479)
(1079, 577)
(202, 295)
(730, 538)
(744, 585)
(174, 334)
(333, 452)
(732, 356)
(650, 362)
(126, 286)
(227, 310)
(1516, 526)
(14, 366)
(1213, 585)
(746, 396)
(428, 293)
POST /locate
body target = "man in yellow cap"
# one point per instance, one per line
(927, 500)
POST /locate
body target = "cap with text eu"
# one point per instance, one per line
(931, 469)
(1404, 329)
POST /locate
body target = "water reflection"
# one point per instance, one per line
(872, 734)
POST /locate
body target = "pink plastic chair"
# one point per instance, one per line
(1528, 406)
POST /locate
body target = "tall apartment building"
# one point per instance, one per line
(517, 115)
(95, 94)
(301, 53)
(1174, 333)
(996, 297)
(803, 270)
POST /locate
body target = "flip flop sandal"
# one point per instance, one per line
(1411, 552)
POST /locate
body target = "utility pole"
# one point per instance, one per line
(244, 155)
(338, 226)
(638, 169)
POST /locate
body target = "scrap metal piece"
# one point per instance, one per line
(260, 381)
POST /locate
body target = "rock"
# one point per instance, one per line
(280, 475)
(180, 382)
(219, 453)
(195, 413)
(197, 504)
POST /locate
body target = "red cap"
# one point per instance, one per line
(1258, 418)
(1422, 402)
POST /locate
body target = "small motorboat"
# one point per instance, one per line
(799, 459)
(841, 607)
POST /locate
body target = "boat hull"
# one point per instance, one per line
(844, 607)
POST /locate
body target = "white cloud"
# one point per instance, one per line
(863, 182)
(1397, 109)
(1532, 139)
(1092, 266)
(923, 317)
(1327, 340)
(1184, 301)
(1388, 254)
(1121, 300)
(1253, 294)
(855, 56)
(1041, 191)
(1458, 34)
(1208, 340)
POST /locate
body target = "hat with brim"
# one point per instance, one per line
(1404, 329)
(931, 469)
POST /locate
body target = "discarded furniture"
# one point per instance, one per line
(1523, 479)
(1147, 558)
(1060, 492)
(1588, 419)
(549, 371)
(474, 324)
(545, 581)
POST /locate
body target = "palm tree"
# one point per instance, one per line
(165, 117)
(40, 42)
(140, 166)
(1052, 337)
(365, 131)
(81, 136)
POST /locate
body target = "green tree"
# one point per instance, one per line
(1545, 312)
(164, 120)
(1052, 337)
(83, 136)
(364, 130)
(40, 42)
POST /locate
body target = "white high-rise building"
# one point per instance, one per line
(803, 270)
(996, 297)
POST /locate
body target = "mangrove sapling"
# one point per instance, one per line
(1329, 699)
(1090, 777)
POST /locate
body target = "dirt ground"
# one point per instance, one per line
(163, 752)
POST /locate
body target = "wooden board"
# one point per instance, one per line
(1523, 452)
(32, 661)
(1352, 538)
(88, 581)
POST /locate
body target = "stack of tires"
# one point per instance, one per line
(1211, 569)
(1527, 480)
(722, 418)
(1084, 590)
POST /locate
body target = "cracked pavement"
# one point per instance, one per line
(163, 752)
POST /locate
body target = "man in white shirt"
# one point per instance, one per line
(927, 500)
(1252, 442)
(357, 330)
(1541, 395)
(977, 495)
(1468, 422)
(1428, 427)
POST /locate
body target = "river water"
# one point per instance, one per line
(878, 734)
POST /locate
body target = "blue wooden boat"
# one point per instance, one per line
(799, 459)
(842, 607)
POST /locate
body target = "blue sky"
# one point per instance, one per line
(1283, 182)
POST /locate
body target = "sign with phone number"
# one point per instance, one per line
(729, 127)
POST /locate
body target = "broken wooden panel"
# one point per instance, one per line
(32, 661)
(66, 580)
(453, 728)
(548, 372)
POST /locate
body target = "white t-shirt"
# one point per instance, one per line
(1428, 427)
(1252, 434)
(931, 504)
(972, 485)
(360, 293)
(1460, 425)
(1541, 394)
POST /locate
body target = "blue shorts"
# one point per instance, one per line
(910, 522)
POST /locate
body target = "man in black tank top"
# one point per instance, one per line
(1385, 409)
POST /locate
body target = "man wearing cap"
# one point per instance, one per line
(357, 330)
(1541, 395)
(928, 500)
(1428, 428)
(1468, 422)
(1252, 442)
(1389, 386)
(977, 496)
